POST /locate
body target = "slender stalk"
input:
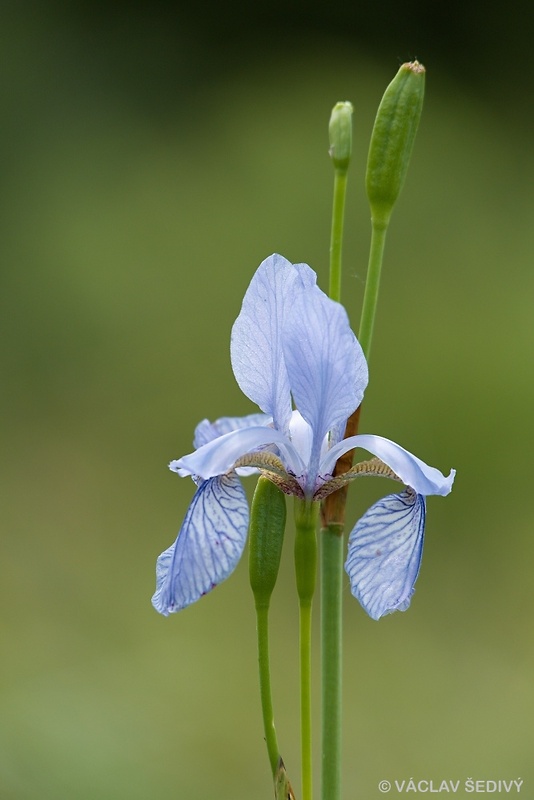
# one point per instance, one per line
(332, 547)
(331, 558)
(336, 234)
(305, 630)
(306, 570)
(262, 623)
(372, 285)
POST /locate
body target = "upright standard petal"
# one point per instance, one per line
(326, 366)
(256, 342)
(208, 547)
(385, 550)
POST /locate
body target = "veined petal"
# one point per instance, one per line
(325, 363)
(410, 469)
(208, 547)
(385, 550)
(256, 342)
(219, 456)
(207, 431)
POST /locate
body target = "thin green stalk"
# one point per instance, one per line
(306, 571)
(332, 547)
(331, 558)
(305, 631)
(336, 234)
(372, 285)
(262, 623)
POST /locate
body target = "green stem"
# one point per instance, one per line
(372, 285)
(262, 622)
(336, 234)
(332, 547)
(331, 557)
(305, 627)
(306, 570)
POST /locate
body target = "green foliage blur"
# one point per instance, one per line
(133, 215)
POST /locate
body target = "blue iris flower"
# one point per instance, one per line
(294, 355)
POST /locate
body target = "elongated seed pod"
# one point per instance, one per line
(266, 536)
(396, 124)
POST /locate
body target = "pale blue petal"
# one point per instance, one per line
(208, 547)
(385, 550)
(220, 455)
(325, 363)
(207, 431)
(410, 469)
(256, 342)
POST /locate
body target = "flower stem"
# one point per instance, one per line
(336, 234)
(331, 557)
(332, 546)
(306, 569)
(262, 622)
(372, 285)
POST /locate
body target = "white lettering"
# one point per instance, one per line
(469, 785)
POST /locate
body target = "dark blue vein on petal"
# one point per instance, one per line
(208, 547)
(384, 554)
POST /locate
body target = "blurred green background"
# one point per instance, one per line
(151, 157)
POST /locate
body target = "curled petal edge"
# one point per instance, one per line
(411, 471)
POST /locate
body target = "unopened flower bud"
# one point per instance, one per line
(266, 536)
(392, 139)
(340, 133)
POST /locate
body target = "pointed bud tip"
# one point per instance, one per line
(414, 66)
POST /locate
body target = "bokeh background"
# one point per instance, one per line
(151, 156)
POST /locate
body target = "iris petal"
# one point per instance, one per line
(256, 342)
(207, 431)
(325, 363)
(208, 547)
(410, 469)
(219, 456)
(385, 550)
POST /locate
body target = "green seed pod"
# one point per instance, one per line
(392, 139)
(266, 536)
(340, 134)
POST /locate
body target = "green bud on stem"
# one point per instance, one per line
(392, 139)
(266, 537)
(340, 134)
